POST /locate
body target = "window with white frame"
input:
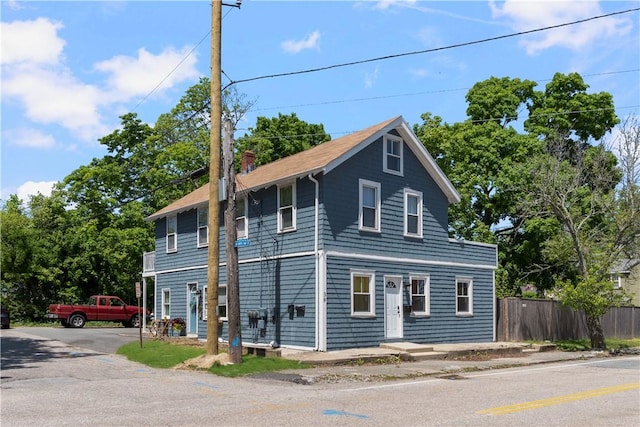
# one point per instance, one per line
(222, 302)
(369, 215)
(412, 213)
(420, 299)
(242, 225)
(172, 233)
(166, 303)
(617, 281)
(363, 293)
(205, 304)
(464, 296)
(392, 154)
(203, 226)
(286, 207)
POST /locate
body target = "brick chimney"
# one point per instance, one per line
(248, 162)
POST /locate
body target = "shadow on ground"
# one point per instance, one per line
(20, 352)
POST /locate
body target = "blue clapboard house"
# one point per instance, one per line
(343, 245)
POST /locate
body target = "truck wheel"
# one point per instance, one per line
(77, 321)
(134, 322)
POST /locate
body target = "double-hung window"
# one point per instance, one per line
(205, 304)
(172, 233)
(166, 303)
(242, 225)
(363, 293)
(392, 155)
(286, 208)
(203, 227)
(412, 213)
(369, 215)
(464, 296)
(420, 301)
(222, 302)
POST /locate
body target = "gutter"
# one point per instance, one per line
(316, 260)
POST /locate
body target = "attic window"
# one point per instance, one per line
(392, 155)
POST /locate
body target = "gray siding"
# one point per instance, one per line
(278, 269)
(441, 326)
(341, 205)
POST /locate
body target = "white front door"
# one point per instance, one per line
(393, 307)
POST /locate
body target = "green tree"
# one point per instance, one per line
(278, 137)
(481, 157)
(31, 272)
(596, 228)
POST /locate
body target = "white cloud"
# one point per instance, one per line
(31, 188)
(30, 138)
(526, 16)
(135, 76)
(386, 4)
(429, 36)
(31, 41)
(35, 74)
(55, 96)
(310, 42)
(370, 78)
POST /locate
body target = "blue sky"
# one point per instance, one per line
(70, 69)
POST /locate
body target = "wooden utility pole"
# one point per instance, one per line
(231, 235)
(213, 262)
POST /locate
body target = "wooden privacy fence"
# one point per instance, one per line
(522, 319)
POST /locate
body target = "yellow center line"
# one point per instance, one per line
(534, 404)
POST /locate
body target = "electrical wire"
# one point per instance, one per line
(420, 52)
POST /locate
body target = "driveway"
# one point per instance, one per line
(101, 340)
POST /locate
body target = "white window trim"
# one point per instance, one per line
(206, 226)
(226, 299)
(376, 185)
(407, 193)
(163, 303)
(245, 216)
(174, 234)
(205, 303)
(385, 154)
(372, 293)
(617, 281)
(293, 205)
(470, 296)
(427, 294)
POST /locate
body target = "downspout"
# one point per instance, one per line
(318, 296)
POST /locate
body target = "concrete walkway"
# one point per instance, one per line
(408, 361)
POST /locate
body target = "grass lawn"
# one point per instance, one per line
(585, 344)
(163, 354)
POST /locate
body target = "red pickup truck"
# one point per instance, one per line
(100, 307)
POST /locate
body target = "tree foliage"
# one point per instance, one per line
(549, 195)
(277, 137)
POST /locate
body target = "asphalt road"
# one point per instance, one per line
(99, 339)
(50, 383)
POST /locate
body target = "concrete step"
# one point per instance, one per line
(544, 347)
(407, 347)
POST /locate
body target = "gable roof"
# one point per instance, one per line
(321, 158)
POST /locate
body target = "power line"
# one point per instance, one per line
(400, 95)
(205, 37)
(419, 52)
